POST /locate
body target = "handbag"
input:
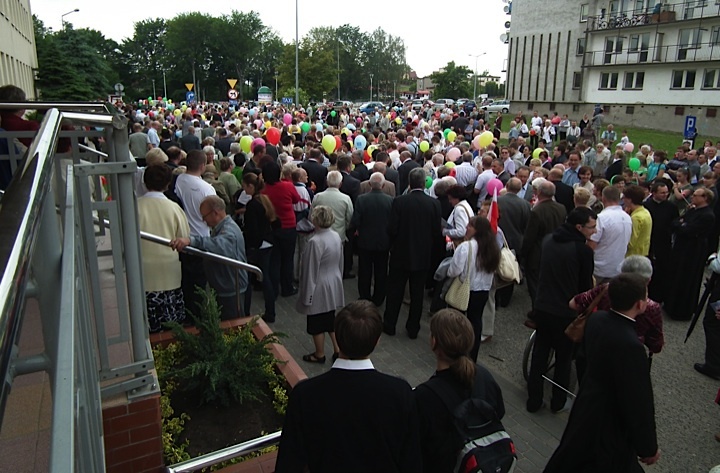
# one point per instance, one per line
(509, 268)
(576, 330)
(458, 295)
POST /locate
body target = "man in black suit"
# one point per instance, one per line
(563, 193)
(408, 164)
(360, 171)
(350, 187)
(190, 142)
(371, 218)
(415, 231)
(224, 142)
(317, 173)
(351, 413)
(390, 173)
(514, 217)
(615, 169)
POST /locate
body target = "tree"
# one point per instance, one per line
(452, 82)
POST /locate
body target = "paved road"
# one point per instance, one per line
(687, 417)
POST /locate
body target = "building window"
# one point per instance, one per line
(711, 79)
(613, 45)
(608, 80)
(576, 107)
(711, 112)
(715, 35)
(580, 50)
(583, 12)
(690, 38)
(683, 80)
(679, 111)
(531, 105)
(630, 110)
(634, 80)
(577, 80)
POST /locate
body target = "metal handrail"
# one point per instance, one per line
(228, 453)
(18, 233)
(61, 106)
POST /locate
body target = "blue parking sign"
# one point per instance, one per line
(689, 131)
(189, 96)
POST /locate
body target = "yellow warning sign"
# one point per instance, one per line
(231, 83)
(189, 86)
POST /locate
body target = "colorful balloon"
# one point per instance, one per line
(486, 138)
(305, 127)
(446, 131)
(536, 152)
(424, 146)
(257, 142)
(398, 120)
(629, 147)
(268, 125)
(450, 165)
(634, 164)
(494, 185)
(453, 154)
(287, 119)
(333, 113)
(338, 142)
(360, 142)
(371, 149)
(246, 143)
(451, 136)
(273, 135)
(328, 143)
(428, 182)
(476, 142)
(177, 112)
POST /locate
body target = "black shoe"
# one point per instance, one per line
(268, 318)
(389, 331)
(702, 368)
(533, 407)
(349, 276)
(412, 335)
(291, 293)
(311, 358)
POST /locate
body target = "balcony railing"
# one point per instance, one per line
(653, 15)
(676, 53)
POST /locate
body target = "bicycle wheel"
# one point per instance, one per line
(527, 357)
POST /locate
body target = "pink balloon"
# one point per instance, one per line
(629, 147)
(258, 123)
(287, 119)
(494, 185)
(453, 154)
(257, 142)
(476, 142)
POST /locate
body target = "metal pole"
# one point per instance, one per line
(394, 87)
(297, 53)
(164, 86)
(475, 86)
(154, 94)
(338, 72)
(194, 84)
(276, 93)
(371, 89)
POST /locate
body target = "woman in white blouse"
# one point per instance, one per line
(462, 212)
(483, 253)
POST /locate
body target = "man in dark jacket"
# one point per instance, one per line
(371, 218)
(317, 173)
(408, 164)
(563, 193)
(414, 231)
(566, 269)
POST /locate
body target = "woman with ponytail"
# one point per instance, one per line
(451, 339)
(260, 217)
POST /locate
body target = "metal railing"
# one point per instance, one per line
(693, 10)
(219, 456)
(675, 53)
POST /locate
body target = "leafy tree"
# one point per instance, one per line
(452, 82)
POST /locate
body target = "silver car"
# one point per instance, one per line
(498, 106)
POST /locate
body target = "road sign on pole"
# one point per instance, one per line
(231, 83)
(189, 86)
(233, 94)
(190, 96)
(689, 131)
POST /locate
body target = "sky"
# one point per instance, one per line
(434, 32)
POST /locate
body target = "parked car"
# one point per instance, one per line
(498, 106)
(371, 107)
(460, 103)
(442, 104)
(342, 104)
(418, 104)
(468, 106)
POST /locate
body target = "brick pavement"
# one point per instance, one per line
(535, 435)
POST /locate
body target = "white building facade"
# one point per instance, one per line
(649, 63)
(18, 57)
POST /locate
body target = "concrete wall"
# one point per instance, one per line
(18, 56)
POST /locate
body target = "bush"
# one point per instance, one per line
(221, 366)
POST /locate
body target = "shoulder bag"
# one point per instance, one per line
(508, 269)
(576, 330)
(458, 295)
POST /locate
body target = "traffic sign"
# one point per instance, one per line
(189, 96)
(189, 86)
(233, 94)
(287, 100)
(689, 132)
(231, 83)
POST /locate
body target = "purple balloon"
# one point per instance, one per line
(287, 119)
(261, 142)
(494, 185)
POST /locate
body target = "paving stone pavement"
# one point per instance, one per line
(686, 415)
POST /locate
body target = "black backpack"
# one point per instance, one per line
(485, 446)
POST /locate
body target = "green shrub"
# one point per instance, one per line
(172, 425)
(221, 366)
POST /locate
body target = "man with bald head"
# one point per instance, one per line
(370, 219)
(546, 216)
(387, 186)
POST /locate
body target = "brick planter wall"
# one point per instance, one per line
(132, 435)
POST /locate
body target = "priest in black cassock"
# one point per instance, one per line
(663, 213)
(612, 423)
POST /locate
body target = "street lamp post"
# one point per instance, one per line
(276, 88)
(62, 17)
(371, 90)
(154, 93)
(476, 56)
(297, 52)
(338, 71)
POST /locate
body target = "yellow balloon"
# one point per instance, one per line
(268, 124)
(452, 135)
(486, 138)
(329, 143)
(203, 116)
(177, 112)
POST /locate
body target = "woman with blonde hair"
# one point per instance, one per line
(451, 339)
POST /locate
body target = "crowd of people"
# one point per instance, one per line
(423, 197)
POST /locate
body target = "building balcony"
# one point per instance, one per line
(669, 54)
(654, 16)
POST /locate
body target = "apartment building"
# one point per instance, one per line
(18, 57)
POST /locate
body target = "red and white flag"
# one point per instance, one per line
(494, 212)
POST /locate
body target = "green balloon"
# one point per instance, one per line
(428, 182)
(305, 127)
(634, 164)
(333, 113)
(446, 131)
